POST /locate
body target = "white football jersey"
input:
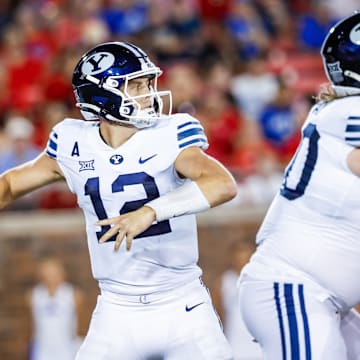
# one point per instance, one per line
(312, 228)
(109, 182)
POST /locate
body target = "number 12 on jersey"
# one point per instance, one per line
(92, 189)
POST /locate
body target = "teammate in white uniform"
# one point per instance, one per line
(140, 176)
(54, 305)
(296, 292)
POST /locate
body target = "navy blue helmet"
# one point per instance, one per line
(100, 82)
(341, 53)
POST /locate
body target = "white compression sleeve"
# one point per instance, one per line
(187, 199)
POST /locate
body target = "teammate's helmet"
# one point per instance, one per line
(341, 53)
(100, 83)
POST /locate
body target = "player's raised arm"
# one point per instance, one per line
(210, 185)
(214, 180)
(25, 178)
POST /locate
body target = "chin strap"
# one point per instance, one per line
(346, 90)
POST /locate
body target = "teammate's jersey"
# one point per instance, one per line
(109, 182)
(312, 228)
(55, 322)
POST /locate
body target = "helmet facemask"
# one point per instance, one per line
(130, 110)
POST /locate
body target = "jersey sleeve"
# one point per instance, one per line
(352, 130)
(59, 137)
(337, 129)
(340, 118)
(190, 133)
(52, 144)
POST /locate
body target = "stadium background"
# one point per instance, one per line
(247, 69)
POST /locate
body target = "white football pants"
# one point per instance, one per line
(294, 322)
(176, 325)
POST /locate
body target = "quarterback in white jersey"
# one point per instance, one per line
(111, 181)
(297, 292)
(140, 176)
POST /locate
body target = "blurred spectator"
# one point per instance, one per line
(24, 85)
(39, 41)
(175, 30)
(226, 302)
(53, 112)
(254, 88)
(5, 14)
(185, 23)
(184, 18)
(55, 306)
(222, 123)
(314, 26)
(256, 167)
(217, 111)
(259, 189)
(57, 84)
(274, 15)
(88, 15)
(19, 131)
(216, 45)
(18, 134)
(217, 75)
(298, 7)
(339, 9)
(214, 10)
(125, 17)
(280, 123)
(80, 24)
(246, 27)
(185, 83)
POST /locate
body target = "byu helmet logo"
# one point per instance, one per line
(355, 34)
(98, 63)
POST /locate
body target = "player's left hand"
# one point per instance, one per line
(127, 226)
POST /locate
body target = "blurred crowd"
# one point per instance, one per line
(247, 69)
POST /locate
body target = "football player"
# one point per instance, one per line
(55, 307)
(140, 176)
(297, 292)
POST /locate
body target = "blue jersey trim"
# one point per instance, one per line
(52, 145)
(190, 132)
(348, 138)
(187, 123)
(194, 141)
(291, 314)
(280, 318)
(352, 128)
(52, 155)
